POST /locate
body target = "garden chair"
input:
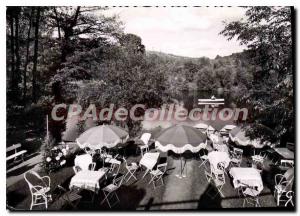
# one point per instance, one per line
(283, 184)
(131, 169)
(203, 158)
(263, 154)
(250, 196)
(218, 182)
(39, 188)
(114, 163)
(158, 174)
(237, 157)
(83, 162)
(70, 198)
(144, 140)
(104, 155)
(286, 164)
(111, 190)
(219, 170)
(89, 150)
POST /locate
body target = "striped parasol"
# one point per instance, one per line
(107, 136)
(238, 135)
(180, 138)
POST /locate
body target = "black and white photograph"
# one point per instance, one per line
(150, 108)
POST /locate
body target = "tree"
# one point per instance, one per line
(35, 55)
(73, 22)
(133, 43)
(27, 56)
(268, 35)
(13, 15)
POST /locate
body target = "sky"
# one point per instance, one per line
(191, 31)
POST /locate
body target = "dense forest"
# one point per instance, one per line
(76, 54)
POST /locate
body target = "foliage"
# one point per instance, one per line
(79, 55)
(53, 157)
(268, 35)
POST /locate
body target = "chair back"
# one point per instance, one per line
(124, 159)
(289, 177)
(221, 166)
(118, 181)
(33, 179)
(220, 172)
(238, 152)
(145, 138)
(162, 167)
(287, 163)
(89, 150)
(83, 161)
(208, 175)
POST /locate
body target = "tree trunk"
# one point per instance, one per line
(12, 46)
(27, 57)
(35, 55)
(68, 33)
(58, 23)
(17, 53)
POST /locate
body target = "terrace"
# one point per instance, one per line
(191, 192)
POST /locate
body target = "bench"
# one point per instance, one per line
(16, 154)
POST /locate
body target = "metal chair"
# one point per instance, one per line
(251, 196)
(219, 170)
(157, 174)
(111, 190)
(83, 162)
(237, 156)
(71, 198)
(203, 158)
(286, 163)
(39, 188)
(218, 182)
(114, 163)
(131, 169)
(89, 150)
(283, 184)
(145, 140)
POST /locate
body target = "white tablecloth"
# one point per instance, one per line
(112, 161)
(246, 176)
(149, 160)
(216, 157)
(87, 179)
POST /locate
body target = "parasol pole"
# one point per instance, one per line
(184, 175)
(180, 165)
(47, 123)
(180, 175)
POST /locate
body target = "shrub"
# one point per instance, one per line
(54, 157)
